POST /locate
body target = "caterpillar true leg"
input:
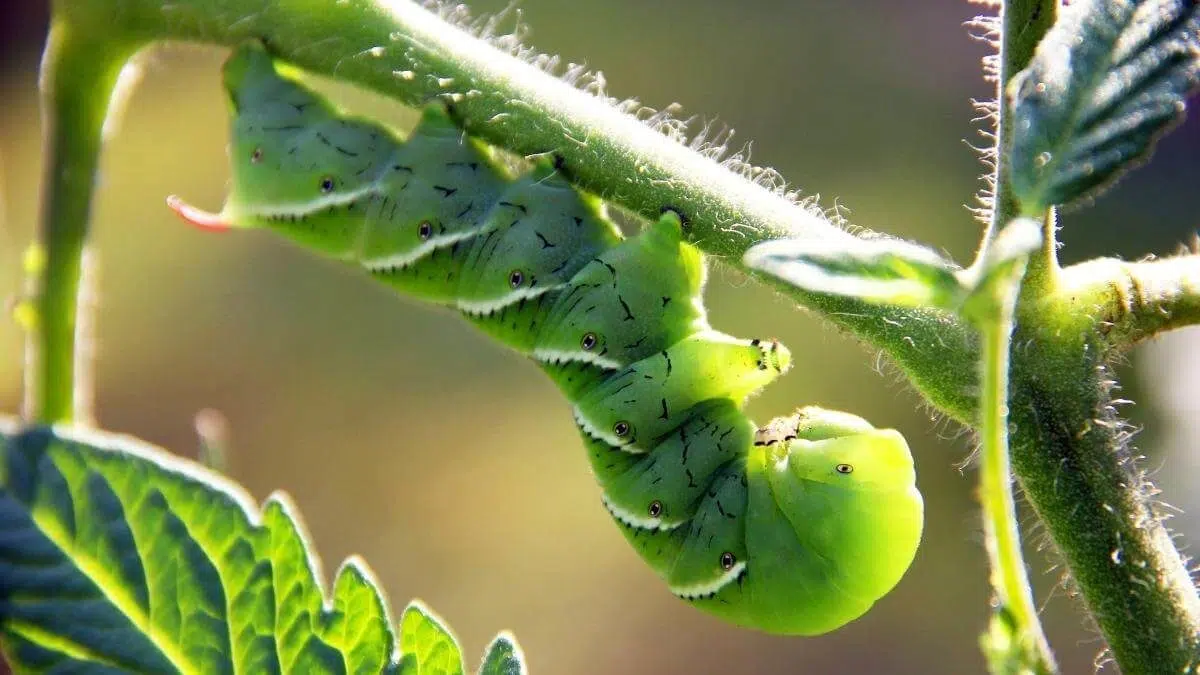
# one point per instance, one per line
(796, 528)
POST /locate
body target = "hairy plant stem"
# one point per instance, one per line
(1066, 460)
(1072, 455)
(80, 70)
(1132, 302)
(1023, 24)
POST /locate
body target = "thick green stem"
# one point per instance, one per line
(1042, 275)
(1133, 302)
(79, 75)
(1069, 449)
(1072, 454)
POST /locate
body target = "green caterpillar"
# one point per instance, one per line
(796, 528)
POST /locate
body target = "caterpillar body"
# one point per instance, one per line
(796, 528)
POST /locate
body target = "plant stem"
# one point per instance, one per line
(1072, 453)
(79, 75)
(1134, 301)
(1070, 450)
(1009, 578)
(1023, 24)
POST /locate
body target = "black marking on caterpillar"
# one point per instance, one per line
(628, 313)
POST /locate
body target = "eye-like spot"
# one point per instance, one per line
(516, 278)
(621, 429)
(656, 508)
(327, 184)
(844, 468)
(728, 560)
(588, 343)
(425, 230)
(256, 156)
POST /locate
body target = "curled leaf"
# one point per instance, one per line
(883, 271)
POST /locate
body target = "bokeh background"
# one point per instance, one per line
(452, 465)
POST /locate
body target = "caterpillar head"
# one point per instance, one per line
(877, 460)
(796, 529)
(298, 166)
(834, 521)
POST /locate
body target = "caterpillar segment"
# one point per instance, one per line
(795, 528)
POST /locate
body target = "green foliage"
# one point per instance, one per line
(116, 555)
(1108, 79)
(503, 657)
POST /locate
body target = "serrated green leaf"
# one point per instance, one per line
(116, 556)
(503, 657)
(884, 271)
(1108, 79)
(429, 646)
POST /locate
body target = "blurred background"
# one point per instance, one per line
(451, 464)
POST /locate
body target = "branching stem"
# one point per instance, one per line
(1133, 302)
(402, 50)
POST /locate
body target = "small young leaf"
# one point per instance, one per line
(118, 556)
(1108, 79)
(884, 271)
(994, 278)
(1019, 238)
